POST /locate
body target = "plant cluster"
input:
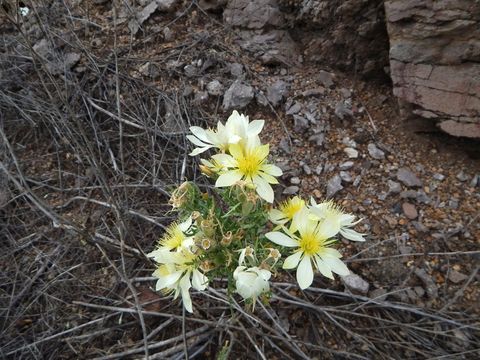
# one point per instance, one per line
(233, 232)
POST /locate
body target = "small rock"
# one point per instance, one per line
(351, 152)
(357, 180)
(378, 294)
(190, 70)
(318, 169)
(408, 178)
(475, 181)
(236, 70)
(285, 145)
(347, 94)
(410, 211)
(453, 203)
(166, 5)
(237, 96)
(215, 88)
(300, 124)
(438, 177)
(456, 276)
(325, 78)
(314, 92)
(419, 291)
(462, 176)
(135, 24)
(295, 108)
(291, 190)
(375, 152)
(295, 180)
(355, 284)
(334, 185)
(277, 92)
(200, 97)
(167, 34)
(342, 110)
(419, 226)
(318, 139)
(431, 287)
(394, 187)
(307, 170)
(149, 69)
(345, 176)
(349, 142)
(346, 165)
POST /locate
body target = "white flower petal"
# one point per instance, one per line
(199, 133)
(323, 268)
(264, 190)
(329, 227)
(300, 221)
(167, 280)
(184, 226)
(292, 261)
(255, 127)
(199, 281)
(352, 235)
(268, 178)
(281, 239)
(336, 265)
(305, 273)
(184, 290)
(330, 252)
(277, 217)
(225, 160)
(196, 141)
(197, 151)
(229, 178)
(272, 170)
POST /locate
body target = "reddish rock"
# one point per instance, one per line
(410, 211)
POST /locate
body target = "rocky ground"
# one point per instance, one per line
(335, 136)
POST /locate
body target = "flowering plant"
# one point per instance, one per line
(233, 232)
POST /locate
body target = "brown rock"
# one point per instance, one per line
(409, 210)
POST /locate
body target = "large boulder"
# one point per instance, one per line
(435, 61)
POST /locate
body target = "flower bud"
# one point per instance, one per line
(227, 238)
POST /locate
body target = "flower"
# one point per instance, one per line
(236, 129)
(251, 282)
(347, 221)
(287, 210)
(248, 163)
(246, 252)
(174, 238)
(177, 273)
(312, 245)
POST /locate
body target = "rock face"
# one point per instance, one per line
(346, 34)
(435, 61)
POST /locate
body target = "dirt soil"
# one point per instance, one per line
(89, 149)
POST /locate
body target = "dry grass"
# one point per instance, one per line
(86, 161)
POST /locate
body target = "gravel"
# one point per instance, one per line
(408, 178)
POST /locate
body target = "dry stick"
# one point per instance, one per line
(60, 334)
(162, 355)
(155, 345)
(461, 291)
(106, 204)
(453, 253)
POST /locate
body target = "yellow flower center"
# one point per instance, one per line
(250, 164)
(311, 244)
(290, 207)
(174, 237)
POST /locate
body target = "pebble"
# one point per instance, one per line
(295, 108)
(276, 92)
(351, 152)
(200, 97)
(300, 124)
(285, 145)
(236, 70)
(475, 181)
(167, 34)
(215, 88)
(314, 92)
(394, 187)
(342, 110)
(334, 185)
(355, 284)
(357, 180)
(349, 142)
(409, 210)
(375, 152)
(456, 276)
(345, 176)
(238, 95)
(346, 165)
(325, 78)
(438, 177)
(291, 190)
(190, 70)
(431, 287)
(462, 176)
(317, 139)
(307, 170)
(318, 169)
(408, 178)
(378, 294)
(295, 180)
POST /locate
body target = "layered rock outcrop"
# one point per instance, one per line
(435, 61)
